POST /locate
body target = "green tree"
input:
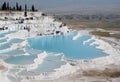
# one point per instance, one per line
(4, 7)
(25, 7)
(17, 7)
(32, 8)
(13, 8)
(20, 8)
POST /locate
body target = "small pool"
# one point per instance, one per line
(13, 52)
(73, 49)
(50, 63)
(19, 57)
(21, 60)
(3, 40)
(13, 70)
(3, 33)
(7, 44)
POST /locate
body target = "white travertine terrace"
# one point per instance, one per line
(45, 25)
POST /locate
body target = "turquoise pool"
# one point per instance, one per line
(73, 49)
(21, 60)
(7, 44)
(50, 63)
(59, 44)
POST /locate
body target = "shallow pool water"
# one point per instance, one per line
(50, 63)
(13, 52)
(21, 60)
(13, 70)
(3, 33)
(59, 44)
(73, 49)
(7, 44)
(3, 40)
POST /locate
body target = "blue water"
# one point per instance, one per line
(73, 49)
(49, 64)
(3, 33)
(32, 51)
(28, 73)
(13, 52)
(9, 43)
(65, 44)
(3, 40)
(4, 44)
(13, 70)
(21, 60)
